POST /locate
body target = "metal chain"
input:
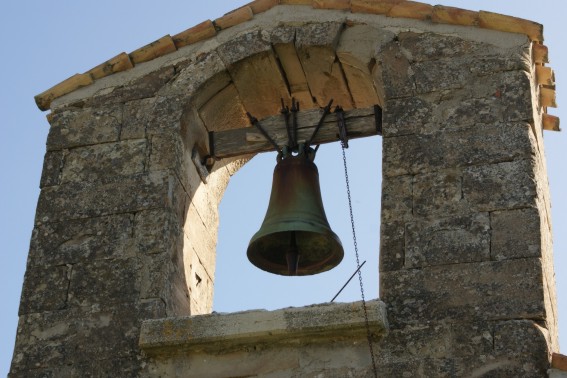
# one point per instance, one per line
(368, 333)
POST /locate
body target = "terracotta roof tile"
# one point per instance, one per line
(260, 6)
(391, 8)
(234, 18)
(162, 46)
(455, 16)
(411, 9)
(200, 32)
(120, 62)
(496, 21)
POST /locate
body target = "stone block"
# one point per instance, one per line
(195, 72)
(104, 282)
(244, 45)
(45, 289)
(397, 193)
(48, 339)
(408, 115)
(394, 72)
(145, 87)
(500, 186)
(440, 75)
(446, 241)
(511, 289)
(91, 163)
(318, 34)
(52, 166)
(430, 46)
(516, 234)
(135, 118)
(155, 231)
(481, 144)
(81, 127)
(86, 200)
(167, 152)
(392, 246)
(522, 339)
(80, 240)
(439, 194)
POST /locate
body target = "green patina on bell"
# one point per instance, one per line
(295, 237)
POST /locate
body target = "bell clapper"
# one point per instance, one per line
(292, 256)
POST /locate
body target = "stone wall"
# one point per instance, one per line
(126, 222)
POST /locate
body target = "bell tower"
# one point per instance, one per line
(142, 146)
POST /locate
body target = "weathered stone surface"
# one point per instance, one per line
(52, 166)
(439, 75)
(196, 73)
(421, 47)
(318, 34)
(50, 294)
(515, 234)
(87, 200)
(394, 72)
(104, 160)
(439, 194)
(511, 289)
(81, 127)
(224, 111)
(403, 116)
(392, 246)
(225, 333)
(244, 45)
(135, 118)
(48, 339)
(155, 231)
(448, 241)
(145, 87)
(481, 144)
(500, 186)
(397, 195)
(104, 282)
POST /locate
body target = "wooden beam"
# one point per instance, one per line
(249, 140)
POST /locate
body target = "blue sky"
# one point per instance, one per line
(46, 42)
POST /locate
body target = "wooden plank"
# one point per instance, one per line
(294, 74)
(550, 122)
(360, 123)
(260, 84)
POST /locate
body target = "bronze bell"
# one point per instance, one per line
(295, 237)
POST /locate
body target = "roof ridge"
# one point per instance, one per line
(207, 29)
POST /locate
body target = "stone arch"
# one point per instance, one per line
(464, 188)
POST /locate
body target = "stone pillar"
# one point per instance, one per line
(465, 239)
(125, 230)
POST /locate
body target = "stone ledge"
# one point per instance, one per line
(227, 332)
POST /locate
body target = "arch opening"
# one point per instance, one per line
(241, 286)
